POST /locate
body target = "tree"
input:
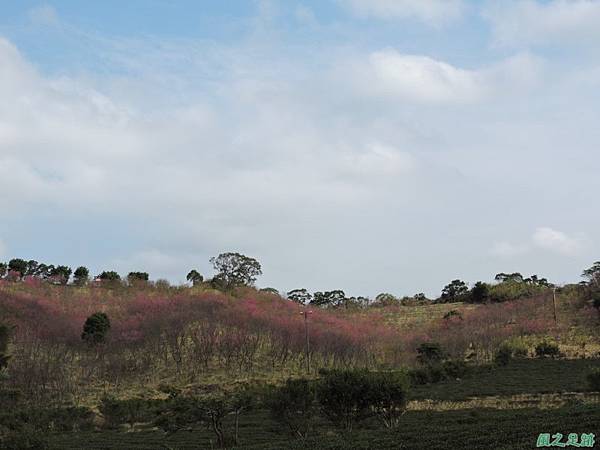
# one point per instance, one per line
(81, 275)
(480, 293)
(194, 277)
(388, 396)
(385, 299)
(109, 276)
(430, 353)
(329, 298)
(61, 274)
(18, 265)
(593, 275)
(137, 277)
(270, 290)
(454, 292)
(3, 269)
(234, 270)
(507, 277)
(96, 328)
(295, 405)
(344, 397)
(300, 296)
(32, 266)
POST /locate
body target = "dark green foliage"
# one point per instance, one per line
(344, 397)
(110, 275)
(593, 379)
(546, 348)
(430, 353)
(234, 270)
(480, 293)
(456, 291)
(194, 277)
(270, 290)
(473, 429)
(3, 269)
(96, 328)
(61, 274)
(295, 405)
(18, 265)
(593, 274)
(329, 298)
(388, 392)
(503, 355)
(130, 411)
(81, 275)
(137, 277)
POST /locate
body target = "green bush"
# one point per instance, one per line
(546, 348)
(429, 353)
(503, 355)
(96, 328)
(593, 379)
(295, 405)
(349, 396)
(130, 411)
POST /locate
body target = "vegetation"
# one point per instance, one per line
(224, 364)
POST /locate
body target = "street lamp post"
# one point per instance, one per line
(305, 314)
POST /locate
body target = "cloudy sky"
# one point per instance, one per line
(368, 145)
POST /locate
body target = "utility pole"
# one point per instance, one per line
(554, 304)
(305, 314)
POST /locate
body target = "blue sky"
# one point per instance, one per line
(369, 145)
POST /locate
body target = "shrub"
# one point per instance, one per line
(130, 411)
(429, 353)
(344, 397)
(387, 397)
(593, 379)
(295, 405)
(503, 355)
(546, 348)
(454, 368)
(96, 328)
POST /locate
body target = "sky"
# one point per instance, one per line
(364, 145)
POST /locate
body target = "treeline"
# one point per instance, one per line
(234, 270)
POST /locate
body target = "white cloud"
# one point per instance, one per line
(556, 241)
(389, 74)
(526, 22)
(433, 12)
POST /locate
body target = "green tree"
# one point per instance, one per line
(194, 277)
(137, 277)
(32, 266)
(344, 396)
(96, 328)
(454, 292)
(593, 275)
(388, 396)
(234, 270)
(110, 275)
(329, 298)
(81, 275)
(385, 299)
(18, 265)
(295, 405)
(3, 269)
(300, 296)
(480, 293)
(61, 274)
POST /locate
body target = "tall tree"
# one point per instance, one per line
(235, 269)
(454, 292)
(194, 277)
(593, 274)
(18, 265)
(301, 296)
(81, 275)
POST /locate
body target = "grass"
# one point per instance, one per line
(520, 376)
(463, 429)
